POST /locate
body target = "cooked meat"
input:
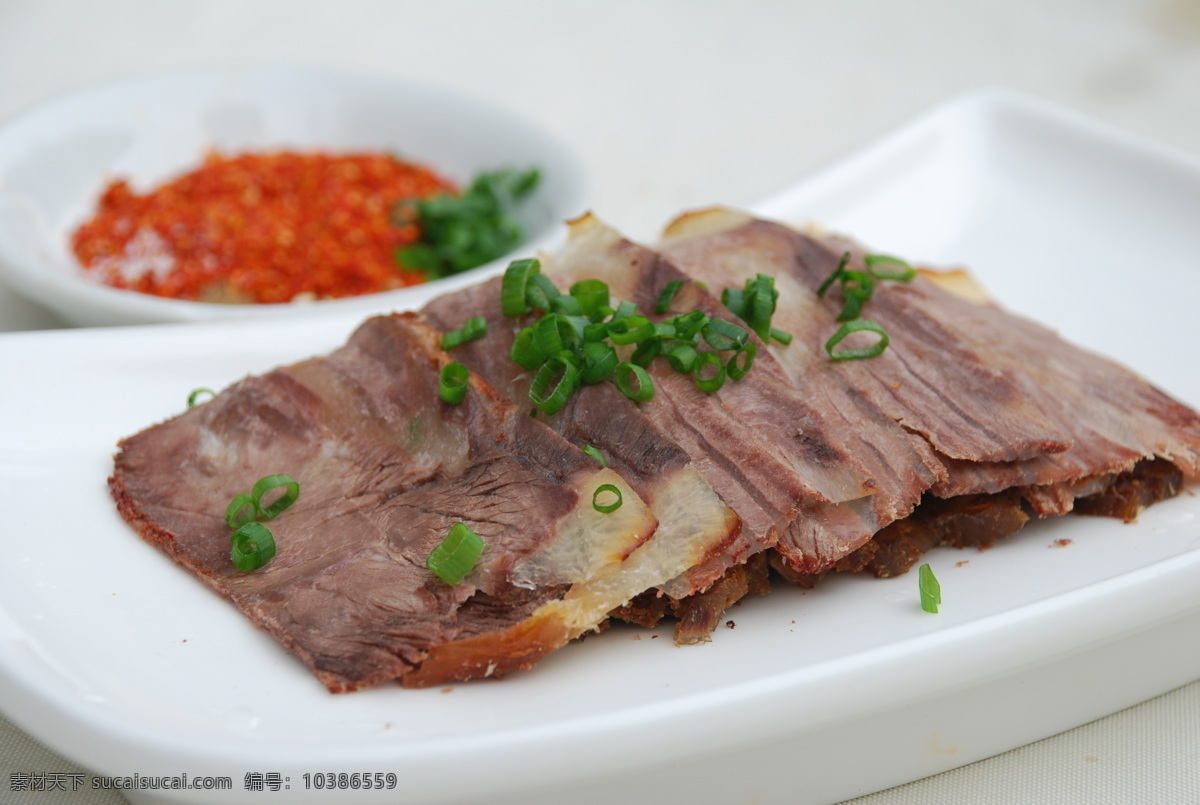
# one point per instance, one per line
(980, 400)
(971, 423)
(385, 469)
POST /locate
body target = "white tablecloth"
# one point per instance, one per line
(681, 104)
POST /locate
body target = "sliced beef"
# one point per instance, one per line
(968, 398)
(385, 468)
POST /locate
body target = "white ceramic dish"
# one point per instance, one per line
(118, 660)
(56, 157)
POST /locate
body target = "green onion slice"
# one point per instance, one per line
(646, 352)
(253, 546)
(456, 555)
(682, 357)
(596, 454)
(561, 368)
(723, 335)
(473, 328)
(760, 304)
(524, 352)
(452, 384)
(737, 370)
(834, 276)
(668, 294)
(781, 336)
(514, 286)
(194, 397)
(712, 382)
(634, 382)
(630, 330)
(735, 300)
(606, 508)
(592, 295)
(241, 510)
(859, 325)
(291, 491)
(931, 590)
(886, 267)
(599, 361)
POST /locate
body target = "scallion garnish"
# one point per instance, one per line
(563, 372)
(241, 510)
(667, 296)
(682, 357)
(253, 543)
(452, 383)
(781, 336)
(592, 295)
(253, 546)
(857, 288)
(515, 284)
(456, 555)
(708, 383)
(473, 328)
(599, 361)
(194, 397)
(630, 330)
(858, 325)
(634, 382)
(834, 276)
(931, 590)
(606, 508)
(736, 370)
(721, 335)
(886, 267)
(596, 454)
(291, 491)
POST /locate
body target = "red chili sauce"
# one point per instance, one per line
(276, 227)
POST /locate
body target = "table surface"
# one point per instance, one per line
(674, 105)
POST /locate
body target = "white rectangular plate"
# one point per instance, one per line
(114, 657)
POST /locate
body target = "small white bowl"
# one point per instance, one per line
(56, 158)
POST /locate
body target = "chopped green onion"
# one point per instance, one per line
(646, 352)
(524, 351)
(236, 513)
(737, 371)
(688, 325)
(548, 334)
(596, 454)
(760, 296)
(902, 273)
(722, 335)
(565, 305)
(630, 330)
(682, 357)
(540, 292)
(452, 384)
(253, 546)
(514, 286)
(931, 590)
(624, 310)
(606, 508)
(456, 555)
(592, 295)
(599, 361)
(859, 325)
(735, 300)
(291, 491)
(781, 336)
(667, 295)
(834, 276)
(562, 368)
(473, 328)
(627, 374)
(713, 382)
(194, 397)
(857, 288)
